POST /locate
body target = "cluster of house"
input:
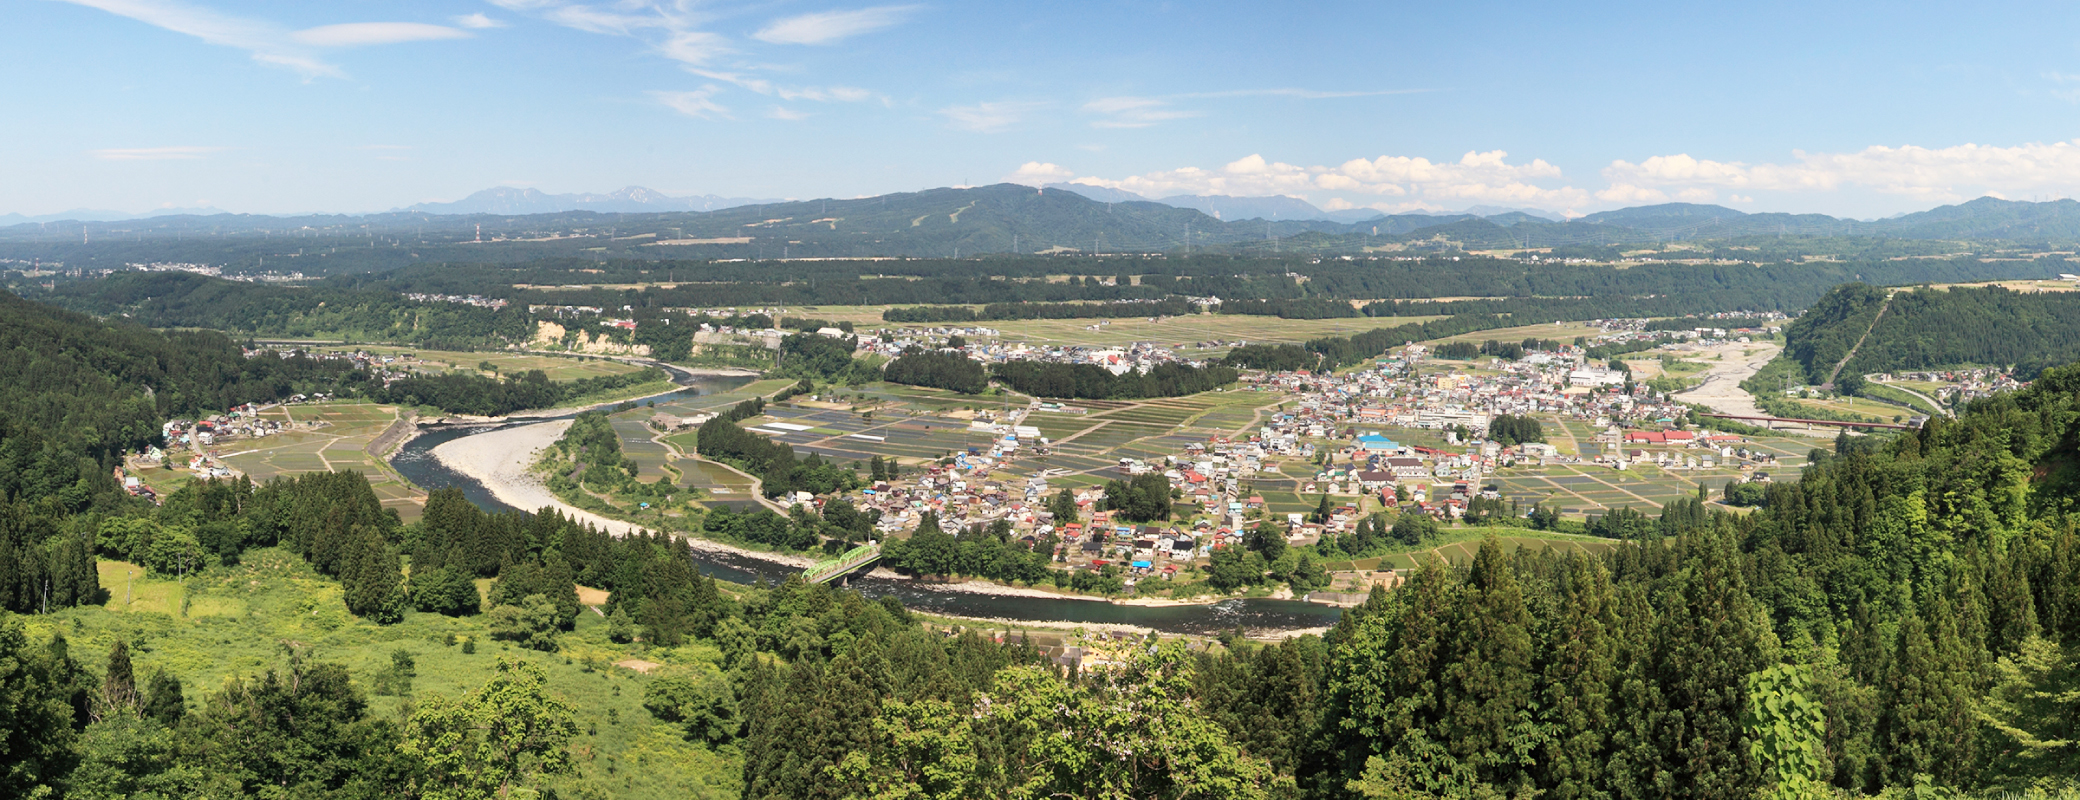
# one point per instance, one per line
(136, 486)
(1398, 392)
(464, 299)
(1622, 449)
(240, 422)
(174, 266)
(929, 336)
(1960, 386)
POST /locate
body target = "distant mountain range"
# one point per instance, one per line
(104, 215)
(970, 221)
(630, 200)
(1274, 207)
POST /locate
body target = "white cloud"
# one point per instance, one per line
(153, 153)
(1142, 112)
(1946, 174)
(1035, 173)
(1399, 182)
(821, 94)
(267, 42)
(477, 21)
(830, 26)
(990, 117)
(695, 103)
(783, 112)
(678, 30)
(356, 34)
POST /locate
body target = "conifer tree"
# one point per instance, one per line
(1712, 635)
(1577, 681)
(118, 685)
(1488, 688)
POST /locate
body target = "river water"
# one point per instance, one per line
(1255, 614)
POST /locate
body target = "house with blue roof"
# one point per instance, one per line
(1373, 442)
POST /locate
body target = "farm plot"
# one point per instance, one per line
(558, 368)
(326, 437)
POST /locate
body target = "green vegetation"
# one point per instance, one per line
(475, 394)
(774, 463)
(941, 370)
(1090, 381)
(1934, 328)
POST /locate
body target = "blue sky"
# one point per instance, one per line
(366, 105)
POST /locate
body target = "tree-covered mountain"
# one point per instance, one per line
(1930, 328)
(1000, 219)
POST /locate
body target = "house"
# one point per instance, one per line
(1406, 467)
(1375, 443)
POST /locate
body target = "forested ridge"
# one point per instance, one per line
(371, 306)
(1930, 328)
(1003, 218)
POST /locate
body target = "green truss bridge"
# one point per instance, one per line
(846, 564)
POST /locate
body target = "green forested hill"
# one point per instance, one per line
(1004, 218)
(1926, 328)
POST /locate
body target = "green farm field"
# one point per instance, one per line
(339, 442)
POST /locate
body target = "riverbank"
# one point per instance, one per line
(500, 463)
(503, 461)
(677, 387)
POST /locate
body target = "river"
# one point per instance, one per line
(1258, 615)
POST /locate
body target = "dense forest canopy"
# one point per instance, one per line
(1930, 328)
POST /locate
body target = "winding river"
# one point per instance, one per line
(1260, 616)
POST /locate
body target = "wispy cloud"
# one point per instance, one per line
(357, 34)
(821, 94)
(1388, 182)
(476, 21)
(1131, 111)
(698, 103)
(992, 117)
(153, 153)
(785, 113)
(1304, 94)
(267, 42)
(1941, 174)
(830, 26)
(682, 31)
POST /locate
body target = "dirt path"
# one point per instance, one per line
(1882, 308)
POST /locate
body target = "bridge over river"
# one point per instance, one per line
(846, 564)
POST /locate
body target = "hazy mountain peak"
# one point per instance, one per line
(510, 200)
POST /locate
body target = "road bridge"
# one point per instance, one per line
(852, 560)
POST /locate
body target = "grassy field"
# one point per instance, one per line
(338, 441)
(237, 620)
(1883, 412)
(1458, 545)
